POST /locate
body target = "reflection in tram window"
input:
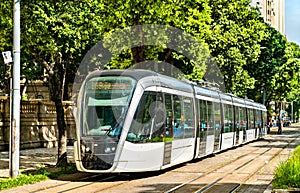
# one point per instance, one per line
(178, 124)
(106, 103)
(188, 117)
(102, 119)
(149, 119)
(258, 121)
(243, 118)
(210, 118)
(217, 126)
(217, 116)
(203, 125)
(169, 118)
(237, 119)
(203, 117)
(251, 118)
(228, 118)
(141, 125)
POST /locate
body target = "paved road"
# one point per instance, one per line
(248, 168)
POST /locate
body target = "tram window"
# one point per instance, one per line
(217, 116)
(237, 119)
(251, 119)
(169, 118)
(188, 117)
(159, 112)
(265, 118)
(178, 116)
(106, 102)
(141, 124)
(149, 119)
(203, 117)
(228, 118)
(243, 118)
(258, 122)
(210, 118)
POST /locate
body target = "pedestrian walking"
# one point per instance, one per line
(279, 126)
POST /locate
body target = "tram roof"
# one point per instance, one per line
(137, 74)
(147, 78)
(170, 82)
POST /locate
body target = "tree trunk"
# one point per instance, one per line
(62, 134)
(56, 73)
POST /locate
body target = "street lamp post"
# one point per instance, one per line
(14, 146)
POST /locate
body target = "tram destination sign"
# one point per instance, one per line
(96, 85)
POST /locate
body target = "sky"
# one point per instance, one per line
(292, 20)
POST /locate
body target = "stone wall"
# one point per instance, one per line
(38, 127)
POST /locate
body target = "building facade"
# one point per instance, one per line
(273, 12)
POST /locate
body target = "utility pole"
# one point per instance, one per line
(14, 147)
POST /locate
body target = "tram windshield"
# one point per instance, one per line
(106, 102)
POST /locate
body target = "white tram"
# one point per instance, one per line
(138, 120)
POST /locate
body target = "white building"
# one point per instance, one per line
(273, 12)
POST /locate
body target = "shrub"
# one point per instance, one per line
(287, 174)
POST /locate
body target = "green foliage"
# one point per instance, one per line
(271, 58)
(237, 30)
(277, 70)
(287, 174)
(6, 40)
(192, 17)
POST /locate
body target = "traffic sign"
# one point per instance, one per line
(7, 57)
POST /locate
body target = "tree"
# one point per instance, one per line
(6, 41)
(292, 97)
(277, 71)
(264, 70)
(237, 30)
(55, 35)
(192, 17)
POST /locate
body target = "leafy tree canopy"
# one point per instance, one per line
(237, 30)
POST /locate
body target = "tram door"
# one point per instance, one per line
(169, 130)
(207, 132)
(203, 126)
(240, 126)
(217, 124)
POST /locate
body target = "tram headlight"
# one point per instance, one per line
(109, 149)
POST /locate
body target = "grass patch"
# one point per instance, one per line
(21, 180)
(41, 174)
(287, 174)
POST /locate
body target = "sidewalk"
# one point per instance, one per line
(32, 159)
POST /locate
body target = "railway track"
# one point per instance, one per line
(234, 170)
(234, 179)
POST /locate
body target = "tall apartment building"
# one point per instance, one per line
(273, 12)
